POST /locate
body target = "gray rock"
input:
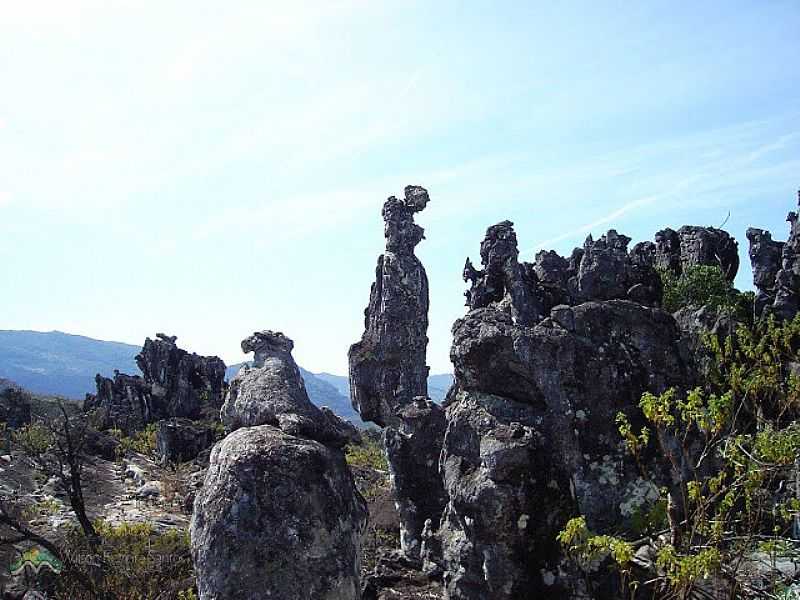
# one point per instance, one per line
(387, 367)
(413, 453)
(272, 392)
(181, 440)
(531, 436)
(182, 384)
(278, 517)
(765, 259)
(692, 246)
(778, 283)
(175, 384)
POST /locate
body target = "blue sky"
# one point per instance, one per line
(208, 171)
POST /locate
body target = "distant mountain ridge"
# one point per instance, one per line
(63, 364)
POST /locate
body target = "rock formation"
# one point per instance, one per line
(387, 367)
(691, 246)
(272, 392)
(765, 258)
(776, 270)
(531, 435)
(601, 270)
(123, 402)
(279, 515)
(181, 440)
(388, 372)
(175, 384)
(181, 384)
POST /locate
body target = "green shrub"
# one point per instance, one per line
(732, 446)
(368, 454)
(133, 562)
(143, 442)
(699, 286)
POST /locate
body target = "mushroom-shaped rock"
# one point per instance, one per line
(272, 392)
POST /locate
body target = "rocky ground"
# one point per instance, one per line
(137, 489)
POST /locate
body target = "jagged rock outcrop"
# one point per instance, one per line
(181, 440)
(765, 258)
(601, 270)
(388, 372)
(123, 403)
(776, 270)
(175, 384)
(278, 517)
(387, 367)
(531, 434)
(181, 384)
(692, 246)
(271, 391)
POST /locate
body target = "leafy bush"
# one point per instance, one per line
(133, 562)
(700, 286)
(34, 439)
(368, 454)
(143, 442)
(732, 446)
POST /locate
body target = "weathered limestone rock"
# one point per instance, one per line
(181, 384)
(388, 372)
(272, 392)
(175, 384)
(601, 270)
(278, 517)
(692, 246)
(503, 276)
(387, 367)
(765, 258)
(181, 440)
(776, 270)
(413, 452)
(531, 433)
(123, 402)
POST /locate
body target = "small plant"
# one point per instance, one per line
(143, 442)
(703, 285)
(367, 454)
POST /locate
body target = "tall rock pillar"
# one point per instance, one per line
(388, 371)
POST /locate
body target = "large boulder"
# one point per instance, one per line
(271, 391)
(278, 517)
(531, 437)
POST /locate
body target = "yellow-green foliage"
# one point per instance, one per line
(135, 563)
(700, 286)
(368, 454)
(733, 443)
(143, 442)
(34, 439)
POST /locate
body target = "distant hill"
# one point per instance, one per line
(437, 384)
(62, 364)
